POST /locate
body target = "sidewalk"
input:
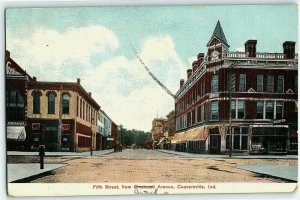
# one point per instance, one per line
(86, 153)
(284, 172)
(21, 171)
(195, 155)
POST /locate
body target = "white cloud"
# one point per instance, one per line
(120, 85)
(49, 51)
(125, 90)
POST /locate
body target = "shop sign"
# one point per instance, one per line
(65, 127)
(213, 95)
(20, 123)
(279, 121)
(35, 126)
(110, 139)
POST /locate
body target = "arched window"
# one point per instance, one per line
(65, 104)
(51, 103)
(36, 102)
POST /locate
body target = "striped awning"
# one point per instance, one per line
(16, 133)
(196, 134)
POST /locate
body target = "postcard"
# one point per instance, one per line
(151, 100)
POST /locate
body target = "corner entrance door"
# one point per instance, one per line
(215, 144)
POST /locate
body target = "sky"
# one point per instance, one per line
(93, 44)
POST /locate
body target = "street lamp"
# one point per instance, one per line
(92, 121)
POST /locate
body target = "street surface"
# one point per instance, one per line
(154, 166)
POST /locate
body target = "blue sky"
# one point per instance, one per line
(92, 43)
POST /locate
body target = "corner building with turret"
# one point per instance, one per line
(243, 101)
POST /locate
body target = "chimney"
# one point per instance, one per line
(90, 94)
(250, 48)
(181, 82)
(195, 65)
(189, 73)
(78, 81)
(200, 58)
(289, 49)
(7, 55)
(34, 78)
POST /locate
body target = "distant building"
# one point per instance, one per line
(108, 131)
(158, 128)
(50, 101)
(16, 103)
(247, 99)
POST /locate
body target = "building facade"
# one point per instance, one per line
(240, 101)
(158, 129)
(16, 103)
(107, 129)
(61, 110)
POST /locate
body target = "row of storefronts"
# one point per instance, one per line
(63, 116)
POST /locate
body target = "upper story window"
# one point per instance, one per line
(279, 109)
(259, 109)
(215, 83)
(241, 109)
(214, 109)
(14, 105)
(231, 82)
(270, 83)
(80, 108)
(65, 104)
(269, 109)
(232, 109)
(280, 84)
(259, 83)
(51, 103)
(242, 85)
(36, 102)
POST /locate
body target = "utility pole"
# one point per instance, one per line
(59, 120)
(92, 121)
(231, 85)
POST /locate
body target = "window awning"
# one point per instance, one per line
(17, 133)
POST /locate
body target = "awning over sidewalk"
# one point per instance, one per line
(195, 134)
(177, 138)
(17, 133)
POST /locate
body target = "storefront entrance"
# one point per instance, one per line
(214, 141)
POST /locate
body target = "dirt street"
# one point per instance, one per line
(153, 166)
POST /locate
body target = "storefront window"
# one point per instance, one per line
(65, 104)
(269, 109)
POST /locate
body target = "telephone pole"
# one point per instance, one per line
(59, 120)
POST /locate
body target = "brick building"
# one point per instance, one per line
(48, 102)
(158, 129)
(16, 90)
(247, 99)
